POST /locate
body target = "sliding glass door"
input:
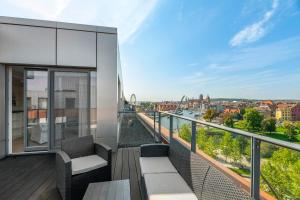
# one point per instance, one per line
(70, 105)
(48, 105)
(36, 110)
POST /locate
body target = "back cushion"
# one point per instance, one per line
(78, 147)
(190, 166)
(218, 186)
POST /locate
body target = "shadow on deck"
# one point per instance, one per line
(133, 133)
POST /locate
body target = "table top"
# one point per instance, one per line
(110, 190)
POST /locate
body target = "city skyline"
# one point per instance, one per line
(246, 49)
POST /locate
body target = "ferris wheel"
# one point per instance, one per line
(133, 99)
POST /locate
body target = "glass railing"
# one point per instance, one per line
(134, 130)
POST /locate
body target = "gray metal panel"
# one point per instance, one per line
(83, 27)
(107, 81)
(103, 29)
(2, 112)
(27, 45)
(76, 48)
(53, 24)
(28, 22)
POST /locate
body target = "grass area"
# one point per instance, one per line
(279, 134)
(241, 171)
(215, 131)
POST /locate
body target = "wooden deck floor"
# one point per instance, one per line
(33, 177)
(126, 166)
(28, 177)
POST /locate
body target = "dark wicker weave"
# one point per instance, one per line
(74, 187)
(206, 181)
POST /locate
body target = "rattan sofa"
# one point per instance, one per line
(72, 177)
(203, 179)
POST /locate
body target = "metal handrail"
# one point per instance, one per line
(278, 142)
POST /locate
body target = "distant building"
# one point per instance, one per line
(165, 106)
(284, 112)
(194, 103)
(265, 111)
(270, 104)
(217, 107)
(232, 110)
(207, 99)
(295, 111)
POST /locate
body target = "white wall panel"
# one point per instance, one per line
(76, 48)
(107, 89)
(27, 45)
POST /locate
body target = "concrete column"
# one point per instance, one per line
(107, 89)
(2, 112)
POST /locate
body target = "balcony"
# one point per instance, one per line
(33, 176)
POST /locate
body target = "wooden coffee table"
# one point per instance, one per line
(111, 190)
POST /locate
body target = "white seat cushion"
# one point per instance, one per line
(167, 186)
(150, 165)
(87, 163)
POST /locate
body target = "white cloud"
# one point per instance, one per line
(258, 57)
(256, 30)
(127, 15)
(240, 69)
(50, 10)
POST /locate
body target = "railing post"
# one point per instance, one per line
(154, 127)
(194, 137)
(159, 125)
(171, 127)
(154, 118)
(255, 168)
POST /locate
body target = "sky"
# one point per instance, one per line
(171, 48)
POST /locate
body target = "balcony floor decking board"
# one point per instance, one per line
(33, 176)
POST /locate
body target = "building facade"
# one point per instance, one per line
(296, 112)
(284, 112)
(58, 80)
(166, 106)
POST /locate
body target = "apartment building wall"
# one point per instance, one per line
(296, 113)
(284, 114)
(71, 46)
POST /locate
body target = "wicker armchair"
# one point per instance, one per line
(72, 175)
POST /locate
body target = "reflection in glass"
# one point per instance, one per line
(93, 104)
(17, 115)
(70, 105)
(37, 108)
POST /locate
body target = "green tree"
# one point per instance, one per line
(242, 111)
(185, 132)
(289, 129)
(228, 120)
(268, 125)
(243, 142)
(201, 138)
(235, 151)
(297, 125)
(209, 115)
(247, 152)
(253, 119)
(226, 144)
(242, 124)
(211, 147)
(280, 174)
